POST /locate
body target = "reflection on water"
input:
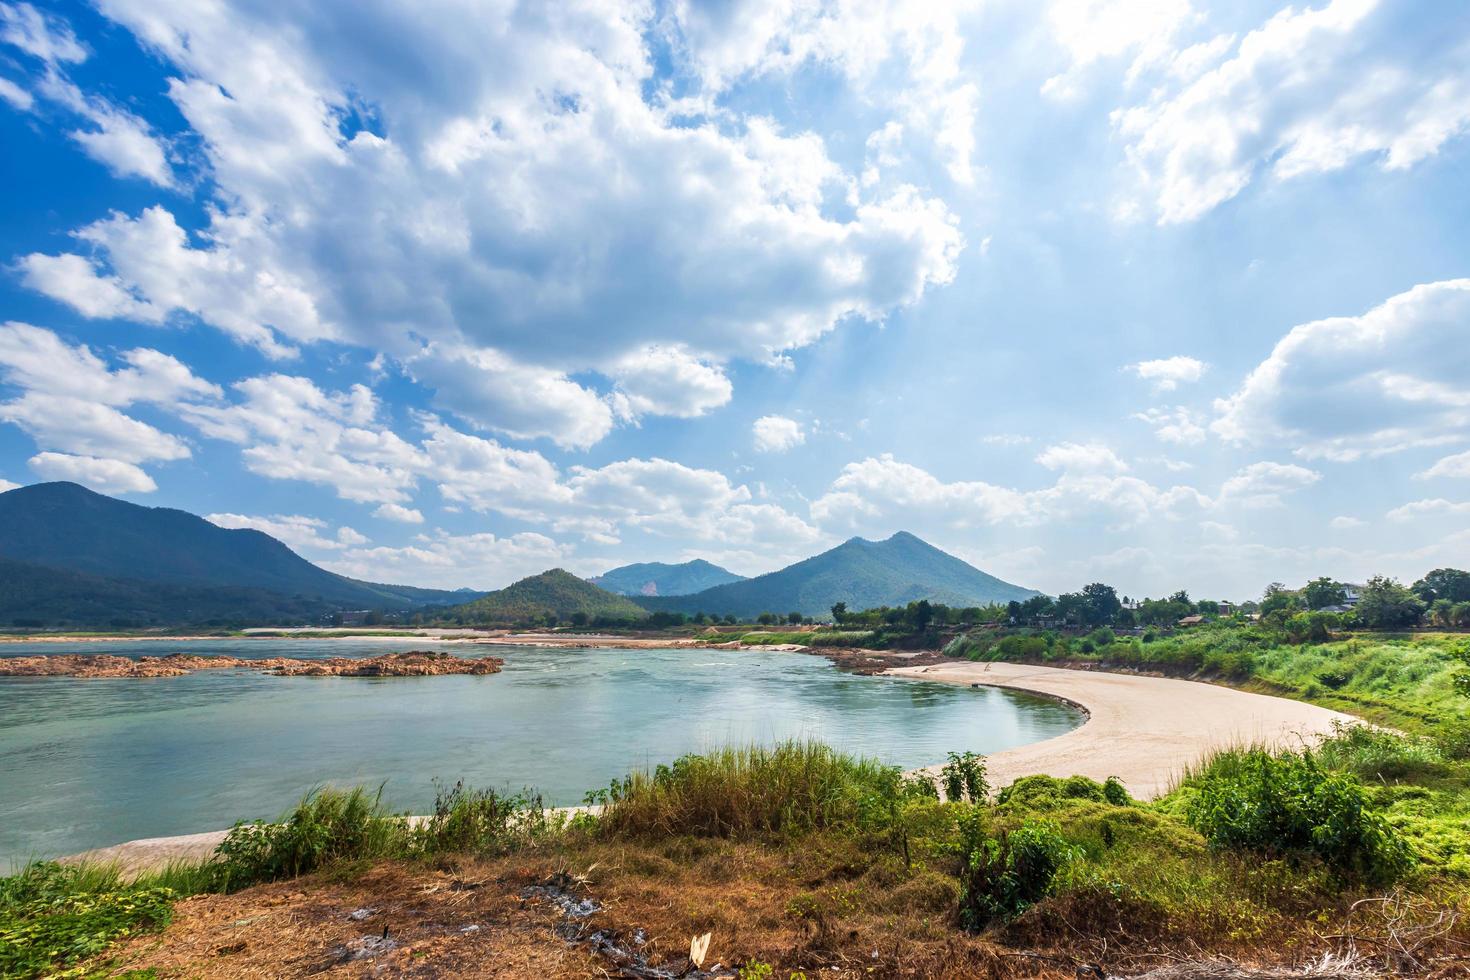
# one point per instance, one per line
(85, 763)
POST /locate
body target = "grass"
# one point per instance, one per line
(811, 638)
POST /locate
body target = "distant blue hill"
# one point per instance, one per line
(861, 573)
(68, 528)
(657, 578)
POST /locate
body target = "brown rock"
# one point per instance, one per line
(417, 663)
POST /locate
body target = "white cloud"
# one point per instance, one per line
(1345, 522)
(297, 531)
(1217, 531)
(1428, 508)
(18, 97)
(777, 434)
(397, 512)
(1169, 373)
(1359, 386)
(1004, 439)
(1097, 30)
(292, 430)
(1264, 484)
(526, 204)
(481, 561)
(883, 494)
(102, 475)
(1457, 465)
(490, 390)
(7, 485)
(1179, 426)
(70, 400)
(1072, 457)
(73, 280)
(906, 55)
(40, 35)
(117, 139)
(1309, 91)
(670, 381)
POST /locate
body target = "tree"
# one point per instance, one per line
(1444, 583)
(839, 611)
(920, 614)
(1323, 592)
(1072, 607)
(765, 619)
(793, 618)
(579, 619)
(1101, 602)
(1385, 604)
(1278, 598)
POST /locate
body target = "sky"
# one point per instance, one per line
(1162, 293)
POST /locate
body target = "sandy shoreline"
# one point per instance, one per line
(1144, 730)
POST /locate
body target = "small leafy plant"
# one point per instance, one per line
(964, 778)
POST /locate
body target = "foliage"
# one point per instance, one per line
(964, 778)
(1291, 806)
(54, 916)
(554, 594)
(1322, 592)
(731, 792)
(1003, 875)
(1385, 604)
(327, 827)
(1447, 584)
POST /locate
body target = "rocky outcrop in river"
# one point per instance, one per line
(415, 663)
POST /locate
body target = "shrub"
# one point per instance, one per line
(54, 916)
(1040, 792)
(1116, 793)
(1102, 636)
(741, 791)
(327, 827)
(964, 778)
(469, 821)
(1004, 875)
(1290, 806)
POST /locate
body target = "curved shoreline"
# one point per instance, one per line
(1144, 730)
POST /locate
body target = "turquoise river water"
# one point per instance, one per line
(90, 762)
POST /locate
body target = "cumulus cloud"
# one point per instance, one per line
(669, 381)
(1457, 465)
(7, 485)
(876, 492)
(777, 434)
(1091, 31)
(397, 512)
(509, 203)
(481, 561)
(1351, 387)
(71, 401)
(297, 531)
(102, 475)
(1178, 426)
(1169, 373)
(1264, 484)
(1428, 508)
(1081, 458)
(1309, 91)
(1344, 522)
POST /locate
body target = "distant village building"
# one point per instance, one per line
(1188, 621)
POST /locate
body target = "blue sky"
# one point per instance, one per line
(1162, 293)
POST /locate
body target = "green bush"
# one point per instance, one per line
(1002, 876)
(730, 792)
(54, 916)
(327, 827)
(1040, 792)
(964, 778)
(1291, 806)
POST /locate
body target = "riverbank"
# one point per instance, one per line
(1143, 730)
(414, 663)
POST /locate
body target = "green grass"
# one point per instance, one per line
(811, 638)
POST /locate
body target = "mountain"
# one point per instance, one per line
(36, 597)
(657, 578)
(67, 527)
(556, 593)
(859, 572)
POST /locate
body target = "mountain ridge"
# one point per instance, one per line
(554, 592)
(861, 573)
(664, 579)
(66, 527)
